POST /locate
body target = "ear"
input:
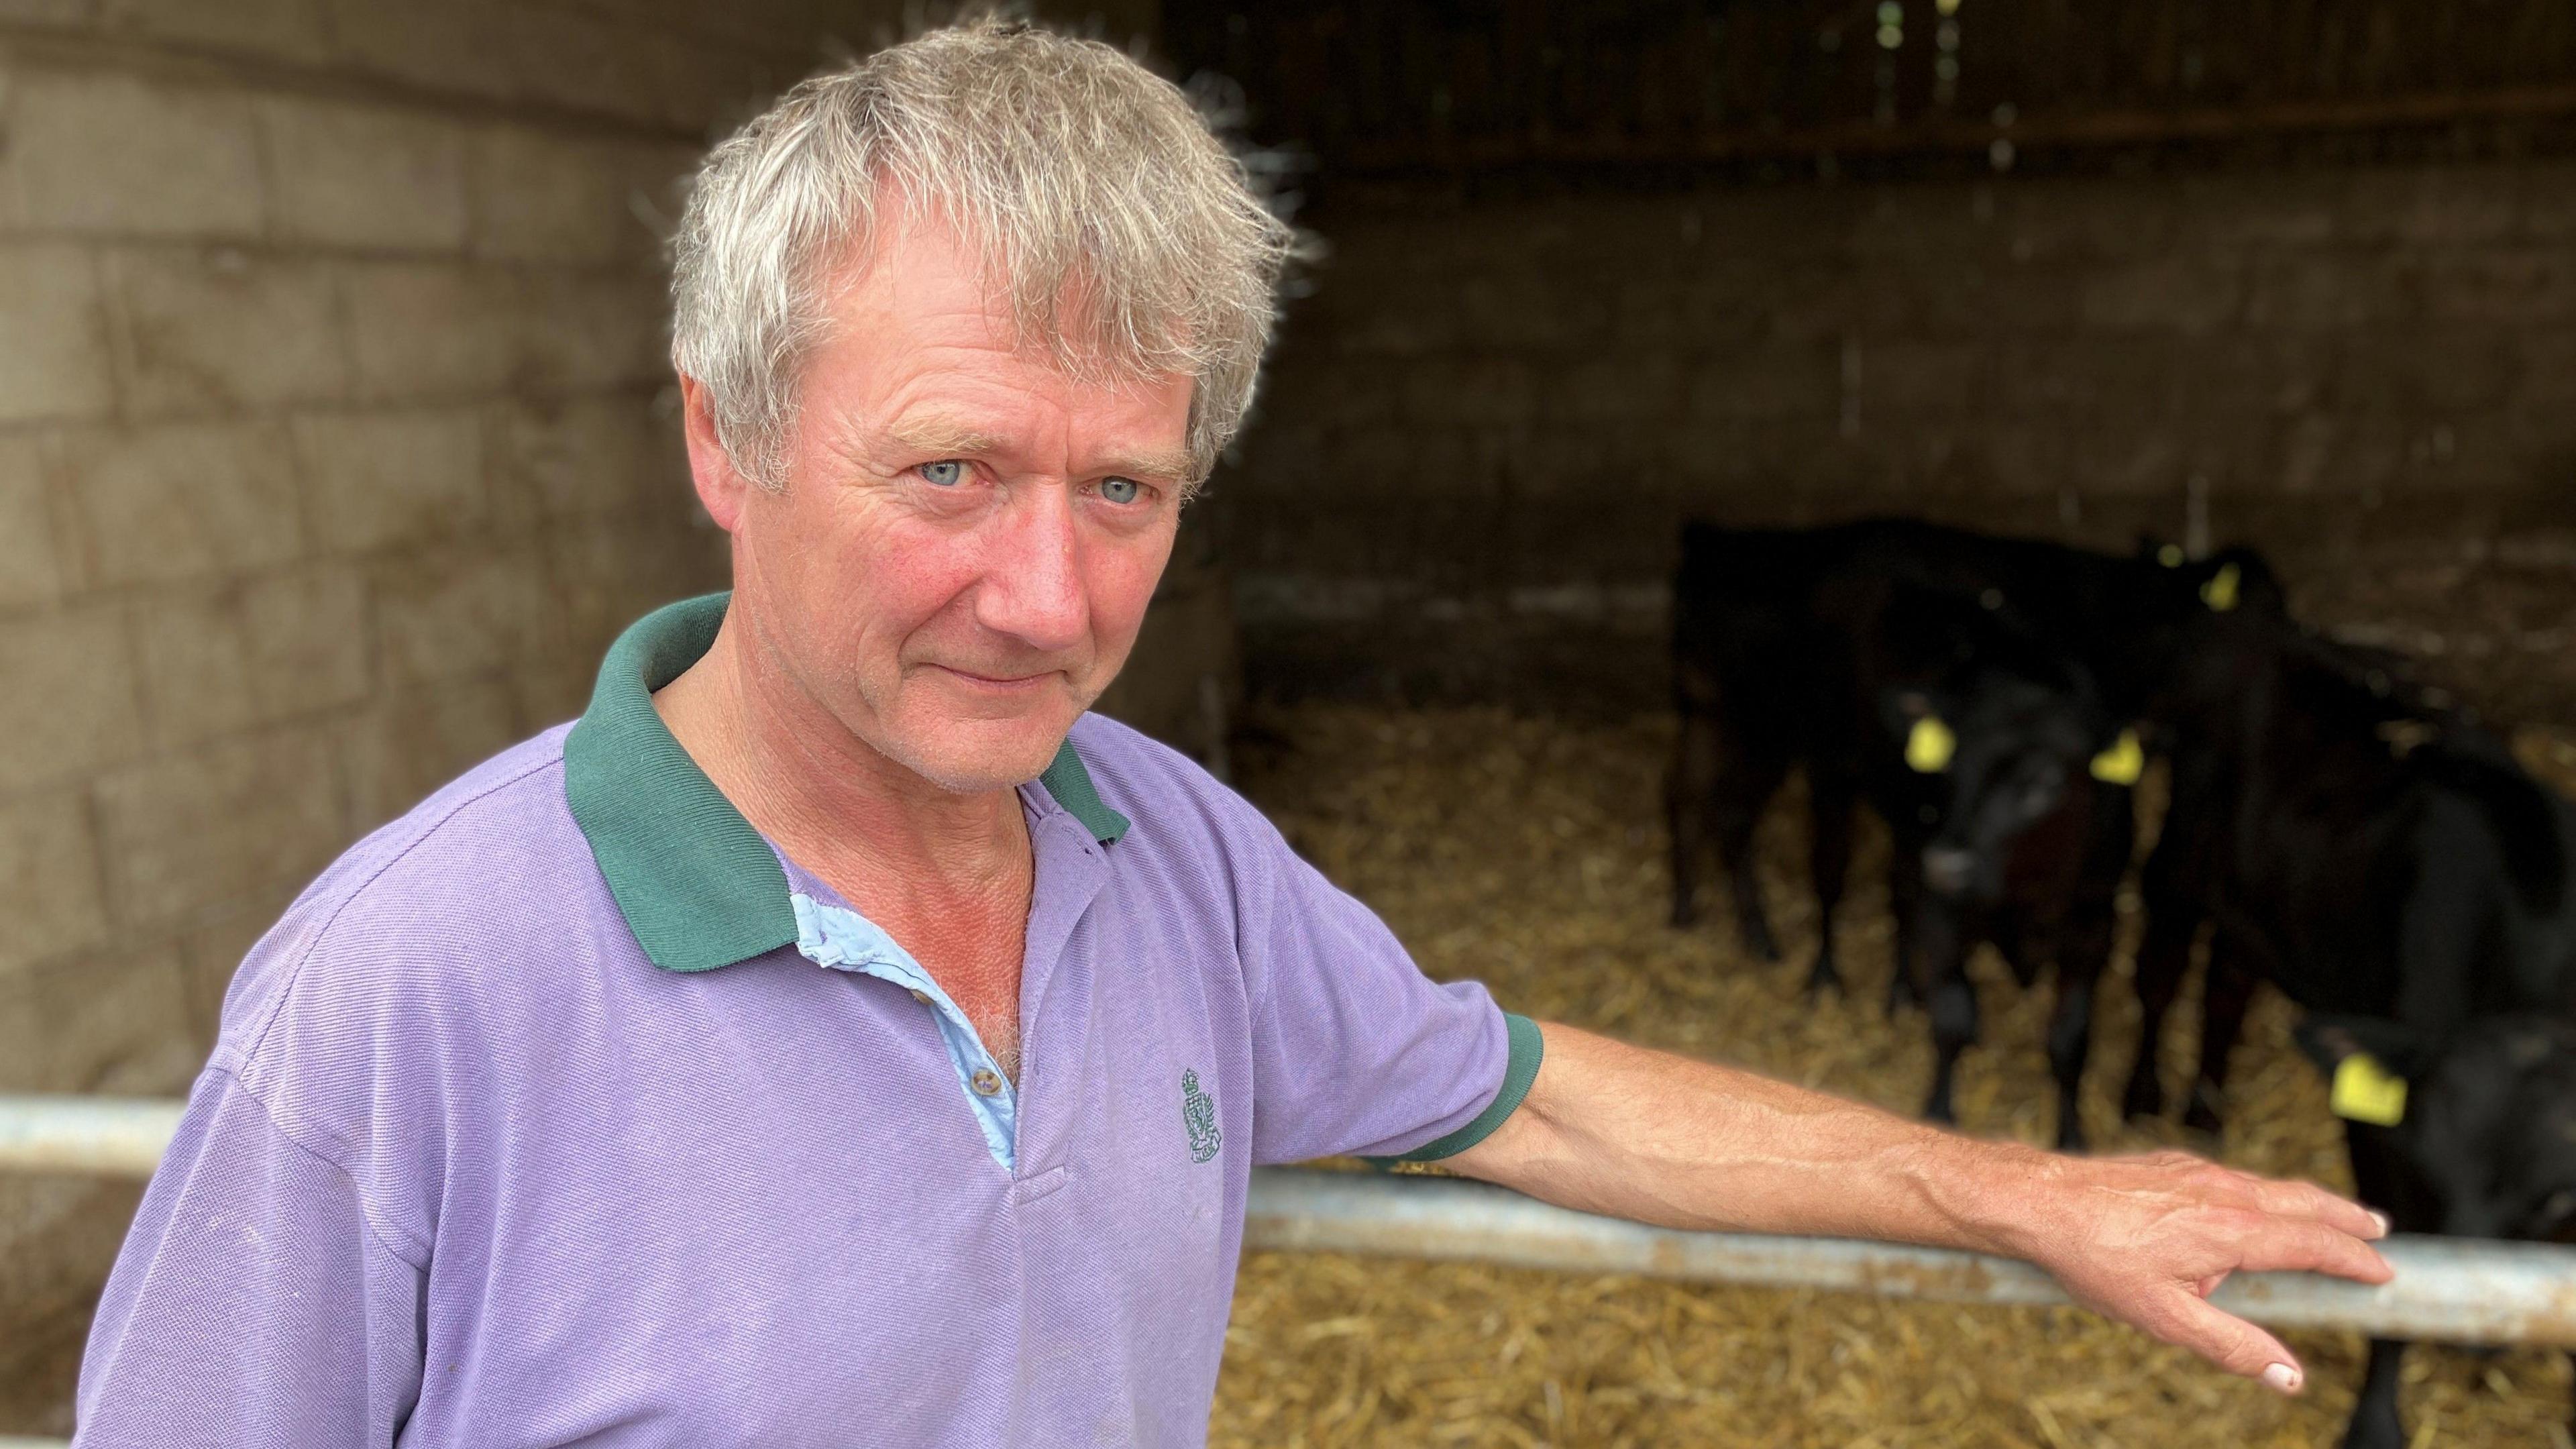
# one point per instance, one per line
(1929, 745)
(2369, 1064)
(721, 487)
(2402, 1049)
(2122, 761)
(2253, 584)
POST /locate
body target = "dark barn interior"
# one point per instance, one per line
(2295, 275)
(2292, 274)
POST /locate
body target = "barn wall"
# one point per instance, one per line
(336, 442)
(1486, 421)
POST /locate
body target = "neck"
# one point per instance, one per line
(894, 843)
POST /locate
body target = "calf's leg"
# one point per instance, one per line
(2229, 991)
(2174, 886)
(2085, 936)
(2375, 1424)
(1944, 938)
(2085, 951)
(1905, 903)
(1687, 787)
(1745, 784)
(2378, 1182)
(1833, 798)
(2164, 955)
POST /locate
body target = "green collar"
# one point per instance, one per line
(698, 886)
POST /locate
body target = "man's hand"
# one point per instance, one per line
(1611, 1128)
(2145, 1239)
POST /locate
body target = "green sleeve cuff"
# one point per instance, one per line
(1518, 1072)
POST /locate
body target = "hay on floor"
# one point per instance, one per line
(1527, 853)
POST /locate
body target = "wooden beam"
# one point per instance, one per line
(1937, 135)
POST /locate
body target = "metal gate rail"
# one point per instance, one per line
(2446, 1289)
(2451, 1290)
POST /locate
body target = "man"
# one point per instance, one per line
(836, 1036)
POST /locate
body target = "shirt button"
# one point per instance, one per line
(921, 996)
(987, 1081)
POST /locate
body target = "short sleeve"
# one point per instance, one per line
(1355, 1051)
(253, 1305)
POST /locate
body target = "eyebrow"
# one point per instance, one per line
(937, 436)
(944, 436)
(1172, 466)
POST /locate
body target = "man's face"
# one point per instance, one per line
(967, 540)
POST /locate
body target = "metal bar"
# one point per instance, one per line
(94, 1136)
(2447, 1289)
(1861, 136)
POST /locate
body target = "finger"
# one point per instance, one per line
(2208, 1285)
(2228, 1187)
(2234, 1345)
(2307, 1200)
(2292, 1244)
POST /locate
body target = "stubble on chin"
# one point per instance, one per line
(928, 747)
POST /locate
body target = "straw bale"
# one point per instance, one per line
(1527, 853)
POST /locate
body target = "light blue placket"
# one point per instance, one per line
(844, 940)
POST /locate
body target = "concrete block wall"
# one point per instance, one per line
(336, 441)
(329, 445)
(1482, 427)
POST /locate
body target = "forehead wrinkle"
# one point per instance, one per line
(941, 433)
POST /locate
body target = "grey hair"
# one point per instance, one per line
(1127, 240)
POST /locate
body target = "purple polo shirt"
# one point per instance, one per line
(564, 1110)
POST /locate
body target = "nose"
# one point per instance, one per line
(1032, 588)
(1946, 868)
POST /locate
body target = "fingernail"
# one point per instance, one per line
(2381, 1218)
(2282, 1377)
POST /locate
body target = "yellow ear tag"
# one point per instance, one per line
(1929, 747)
(2365, 1092)
(2220, 592)
(2122, 763)
(2170, 555)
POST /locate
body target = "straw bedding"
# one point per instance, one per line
(1527, 853)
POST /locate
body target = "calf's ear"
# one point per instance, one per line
(1929, 745)
(2368, 1063)
(2401, 1049)
(2122, 762)
(2221, 590)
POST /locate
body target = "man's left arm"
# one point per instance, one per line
(1620, 1130)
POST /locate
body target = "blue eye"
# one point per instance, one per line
(947, 473)
(1119, 490)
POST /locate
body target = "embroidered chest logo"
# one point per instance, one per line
(1198, 1113)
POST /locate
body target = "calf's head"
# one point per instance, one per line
(2483, 1119)
(2016, 758)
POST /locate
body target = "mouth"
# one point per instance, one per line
(1004, 684)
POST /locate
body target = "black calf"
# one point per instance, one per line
(2035, 836)
(2364, 852)
(2473, 1137)
(1786, 643)
(2372, 858)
